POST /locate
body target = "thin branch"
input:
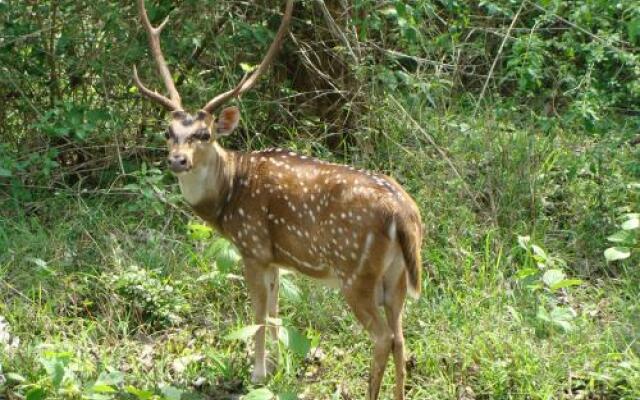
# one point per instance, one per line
(495, 60)
(335, 29)
(440, 151)
(248, 81)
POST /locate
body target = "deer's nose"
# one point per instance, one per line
(178, 163)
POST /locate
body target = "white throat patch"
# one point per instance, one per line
(193, 185)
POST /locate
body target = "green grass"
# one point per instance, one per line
(474, 334)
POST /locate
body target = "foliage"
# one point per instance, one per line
(627, 239)
(156, 298)
(543, 275)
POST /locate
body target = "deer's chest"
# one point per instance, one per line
(194, 186)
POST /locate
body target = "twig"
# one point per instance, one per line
(16, 291)
(335, 29)
(22, 93)
(583, 30)
(495, 60)
(439, 149)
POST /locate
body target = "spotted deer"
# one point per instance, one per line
(359, 230)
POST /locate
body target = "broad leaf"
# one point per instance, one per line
(36, 393)
(210, 276)
(523, 241)
(199, 231)
(562, 317)
(632, 223)
(140, 394)
(538, 251)
(243, 333)
(227, 257)
(55, 370)
(259, 394)
(289, 289)
(170, 392)
(552, 277)
(617, 253)
(12, 376)
(625, 237)
(565, 283)
(526, 272)
(98, 396)
(103, 389)
(294, 340)
(113, 378)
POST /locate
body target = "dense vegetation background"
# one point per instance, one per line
(514, 124)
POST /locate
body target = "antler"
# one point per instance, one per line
(174, 102)
(248, 81)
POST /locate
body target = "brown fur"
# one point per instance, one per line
(324, 220)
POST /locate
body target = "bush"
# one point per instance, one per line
(153, 299)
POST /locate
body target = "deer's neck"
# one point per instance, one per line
(209, 188)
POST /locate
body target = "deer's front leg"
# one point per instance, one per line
(258, 277)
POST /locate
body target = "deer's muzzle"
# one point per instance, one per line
(179, 163)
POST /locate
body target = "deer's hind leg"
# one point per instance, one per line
(274, 287)
(361, 297)
(395, 291)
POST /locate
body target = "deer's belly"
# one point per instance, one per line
(330, 280)
(323, 275)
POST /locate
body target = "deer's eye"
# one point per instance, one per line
(201, 134)
(168, 134)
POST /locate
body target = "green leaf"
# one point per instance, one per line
(622, 237)
(139, 393)
(294, 340)
(259, 394)
(565, 283)
(243, 333)
(538, 251)
(227, 257)
(633, 29)
(562, 317)
(113, 378)
(526, 272)
(5, 173)
(289, 289)
(102, 388)
(199, 231)
(617, 253)
(170, 392)
(209, 276)
(55, 370)
(631, 223)
(287, 396)
(389, 12)
(97, 396)
(12, 376)
(523, 241)
(542, 314)
(36, 393)
(552, 277)
(246, 68)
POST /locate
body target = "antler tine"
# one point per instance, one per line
(174, 102)
(248, 81)
(167, 103)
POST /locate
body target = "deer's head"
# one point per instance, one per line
(189, 136)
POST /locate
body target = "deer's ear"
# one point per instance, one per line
(227, 121)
